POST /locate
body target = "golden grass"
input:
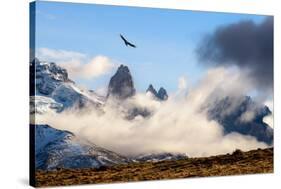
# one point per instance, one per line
(252, 162)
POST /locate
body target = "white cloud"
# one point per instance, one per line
(268, 120)
(78, 65)
(176, 125)
(101, 90)
(96, 67)
(182, 84)
(219, 83)
(269, 104)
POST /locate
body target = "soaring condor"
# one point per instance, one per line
(127, 42)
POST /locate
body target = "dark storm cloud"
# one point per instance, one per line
(245, 44)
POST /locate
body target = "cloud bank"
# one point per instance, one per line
(246, 45)
(177, 125)
(78, 65)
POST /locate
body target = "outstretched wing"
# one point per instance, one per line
(132, 45)
(123, 38)
(127, 42)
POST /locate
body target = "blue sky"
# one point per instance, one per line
(165, 38)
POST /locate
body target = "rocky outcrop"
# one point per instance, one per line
(151, 90)
(160, 95)
(121, 85)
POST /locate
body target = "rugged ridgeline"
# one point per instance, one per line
(121, 86)
(160, 95)
(234, 122)
(55, 92)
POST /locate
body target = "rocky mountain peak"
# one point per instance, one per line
(160, 95)
(152, 90)
(122, 69)
(51, 69)
(48, 76)
(121, 84)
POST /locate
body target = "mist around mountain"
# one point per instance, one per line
(77, 128)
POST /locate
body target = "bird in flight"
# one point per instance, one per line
(127, 42)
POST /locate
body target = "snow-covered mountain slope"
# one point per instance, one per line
(160, 157)
(52, 82)
(56, 148)
(42, 105)
(70, 95)
(62, 149)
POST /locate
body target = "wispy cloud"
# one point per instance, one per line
(78, 65)
(58, 55)
(97, 66)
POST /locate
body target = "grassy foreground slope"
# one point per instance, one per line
(251, 162)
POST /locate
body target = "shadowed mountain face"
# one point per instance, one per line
(121, 84)
(160, 95)
(232, 122)
(151, 90)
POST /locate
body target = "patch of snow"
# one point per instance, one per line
(57, 148)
